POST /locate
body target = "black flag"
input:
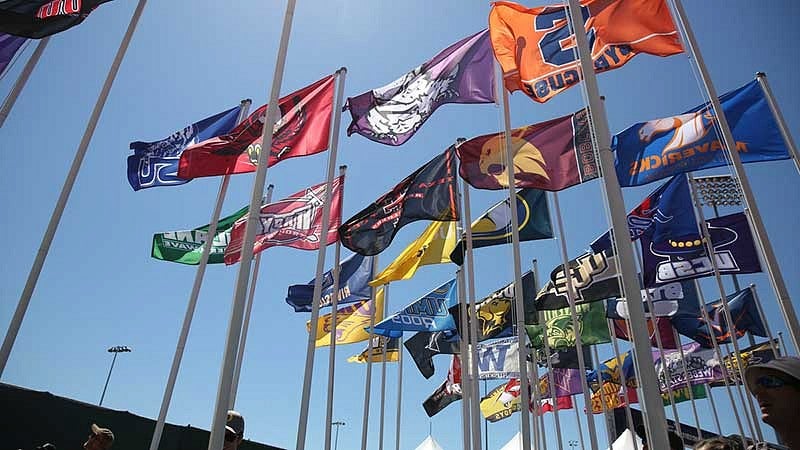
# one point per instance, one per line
(40, 18)
(424, 345)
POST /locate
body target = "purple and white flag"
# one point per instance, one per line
(702, 366)
(462, 73)
(8, 48)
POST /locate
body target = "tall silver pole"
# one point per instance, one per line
(761, 316)
(751, 208)
(623, 377)
(776, 111)
(551, 384)
(217, 434)
(603, 405)
(11, 99)
(66, 190)
(577, 420)
(383, 373)
(714, 409)
(536, 390)
(399, 392)
(368, 380)
(688, 385)
(466, 423)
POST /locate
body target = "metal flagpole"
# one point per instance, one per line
(577, 418)
(191, 305)
(764, 321)
(686, 377)
(399, 391)
(485, 421)
(782, 343)
(752, 417)
(536, 391)
(368, 381)
(603, 404)
(66, 190)
(623, 378)
(463, 350)
(11, 99)
(382, 344)
(776, 111)
(751, 208)
(714, 409)
(552, 388)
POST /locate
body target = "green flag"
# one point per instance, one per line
(186, 247)
(591, 323)
(682, 394)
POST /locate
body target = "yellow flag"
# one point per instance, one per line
(499, 405)
(350, 322)
(379, 344)
(433, 246)
(608, 394)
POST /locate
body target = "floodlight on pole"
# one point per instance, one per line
(337, 424)
(115, 350)
(572, 443)
(718, 190)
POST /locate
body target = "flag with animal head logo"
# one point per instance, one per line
(559, 325)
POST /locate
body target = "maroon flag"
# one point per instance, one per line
(663, 327)
(295, 221)
(303, 129)
(550, 156)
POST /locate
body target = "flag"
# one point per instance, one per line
(685, 258)
(431, 247)
(613, 371)
(9, 45)
(295, 221)
(354, 274)
(462, 73)
(701, 365)
(448, 392)
(427, 194)
(652, 150)
(546, 404)
(156, 163)
(186, 247)
(681, 394)
(380, 345)
(609, 394)
(498, 405)
(592, 327)
(755, 354)
(498, 359)
(538, 54)
(494, 226)
(303, 129)
(429, 313)
(564, 358)
(658, 325)
(36, 19)
(667, 300)
(594, 278)
(424, 345)
(352, 322)
(566, 382)
(551, 156)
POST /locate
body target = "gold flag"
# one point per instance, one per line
(610, 394)
(433, 246)
(498, 404)
(350, 322)
(379, 343)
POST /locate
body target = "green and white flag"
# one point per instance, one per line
(186, 247)
(560, 333)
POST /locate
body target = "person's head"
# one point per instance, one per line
(719, 443)
(675, 441)
(776, 386)
(99, 438)
(234, 431)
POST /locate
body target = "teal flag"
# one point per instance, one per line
(186, 247)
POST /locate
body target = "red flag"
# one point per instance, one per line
(295, 221)
(663, 325)
(562, 402)
(303, 129)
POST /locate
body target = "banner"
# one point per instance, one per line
(566, 382)
(610, 395)
(462, 73)
(594, 278)
(424, 345)
(352, 322)
(755, 354)
(448, 392)
(380, 345)
(658, 326)
(9, 45)
(354, 274)
(667, 299)
(592, 327)
(431, 247)
(496, 406)
(186, 247)
(37, 19)
(680, 395)
(498, 359)
(702, 366)
(429, 313)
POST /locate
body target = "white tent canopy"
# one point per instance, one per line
(625, 441)
(429, 444)
(515, 443)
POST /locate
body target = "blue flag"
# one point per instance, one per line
(354, 274)
(650, 151)
(430, 313)
(156, 163)
(612, 371)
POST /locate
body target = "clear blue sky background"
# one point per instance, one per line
(189, 60)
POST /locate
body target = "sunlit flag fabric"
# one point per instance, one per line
(429, 313)
(667, 300)
(537, 52)
(701, 365)
(352, 322)
(186, 247)
(424, 345)
(546, 404)
(755, 354)
(380, 345)
(563, 358)
(594, 278)
(427, 194)
(433, 246)
(614, 370)
(303, 129)
(447, 392)
(498, 404)
(690, 141)
(551, 156)
(494, 226)
(657, 326)
(498, 359)
(9, 45)
(354, 274)
(592, 327)
(41, 18)
(462, 73)
(610, 394)
(156, 163)
(295, 221)
(566, 382)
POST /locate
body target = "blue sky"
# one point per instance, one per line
(189, 60)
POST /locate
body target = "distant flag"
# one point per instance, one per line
(354, 274)
(649, 151)
(494, 226)
(594, 278)
(563, 358)
(352, 322)
(592, 327)
(433, 246)
(303, 129)
(661, 326)
(156, 163)
(186, 247)
(498, 358)
(295, 221)
(537, 52)
(427, 194)
(9, 45)
(755, 354)
(609, 393)
(614, 370)
(429, 313)
(550, 156)
(447, 392)
(546, 404)
(41, 18)
(667, 300)
(498, 404)
(462, 73)
(681, 394)
(566, 382)
(701, 365)
(424, 345)
(380, 345)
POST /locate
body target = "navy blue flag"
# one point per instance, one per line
(650, 151)
(429, 313)
(156, 163)
(354, 275)
(684, 257)
(667, 300)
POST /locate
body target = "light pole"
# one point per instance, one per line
(336, 438)
(115, 350)
(572, 443)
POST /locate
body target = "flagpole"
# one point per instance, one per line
(751, 208)
(485, 421)
(368, 381)
(66, 190)
(536, 392)
(764, 321)
(577, 417)
(463, 350)
(399, 390)
(603, 404)
(383, 371)
(714, 408)
(623, 378)
(776, 111)
(552, 388)
(782, 342)
(677, 339)
(752, 418)
(22, 79)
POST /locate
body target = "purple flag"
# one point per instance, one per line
(566, 381)
(8, 47)
(702, 366)
(462, 73)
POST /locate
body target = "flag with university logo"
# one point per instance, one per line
(448, 392)
(36, 19)
(594, 278)
(354, 274)
(498, 359)
(352, 322)
(429, 313)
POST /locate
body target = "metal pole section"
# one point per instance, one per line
(368, 381)
(751, 208)
(714, 409)
(537, 390)
(653, 414)
(782, 342)
(463, 352)
(776, 111)
(22, 80)
(103, 395)
(603, 406)
(623, 378)
(399, 392)
(485, 421)
(752, 418)
(764, 321)
(551, 385)
(383, 372)
(338, 424)
(66, 190)
(577, 419)
(686, 377)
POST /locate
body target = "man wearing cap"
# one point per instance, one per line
(776, 386)
(99, 438)
(234, 431)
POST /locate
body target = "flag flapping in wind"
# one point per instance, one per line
(433, 246)
(667, 300)
(9, 45)
(352, 322)
(380, 345)
(462, 73)
(41, 18)
(447, 392)
(566, 382)
(563, 358)
(429, 313)
(755, 354)
(614, 370)
(656, 326)
(424, 345)
(701, 366)
(303, 129)
(591, 322)
(550, 156)
(498, 404)
(594, 278)
(427, 194)
(156, 163)
(295, 221)
(354, 274)
(538, 53)
(498, 358)
(494, 226)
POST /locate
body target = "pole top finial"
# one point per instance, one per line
(342, 70)
(760, 74)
